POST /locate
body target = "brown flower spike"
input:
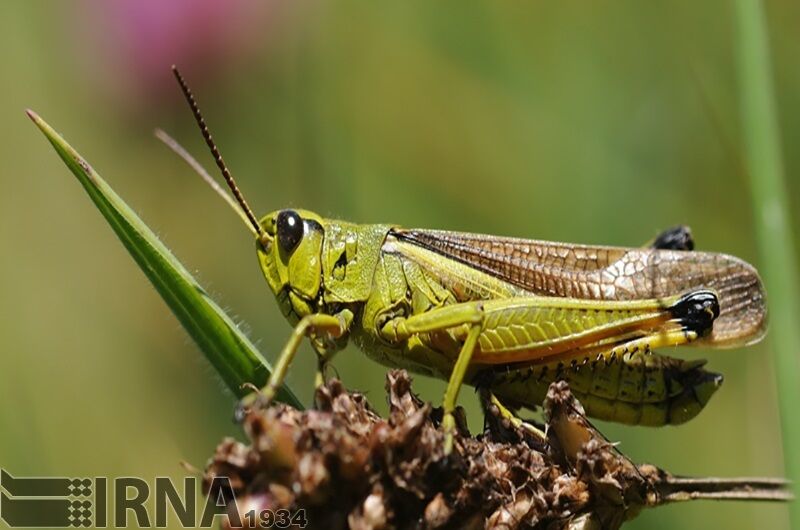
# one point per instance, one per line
(349, 468)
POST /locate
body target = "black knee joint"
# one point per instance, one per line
(697, 311)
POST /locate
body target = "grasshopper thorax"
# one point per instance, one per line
(291, 259)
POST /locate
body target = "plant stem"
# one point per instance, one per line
(768, 190)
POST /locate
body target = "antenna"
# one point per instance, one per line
(215, 153)
(178, 149)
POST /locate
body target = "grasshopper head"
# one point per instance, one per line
(289, 242)
(290, 255)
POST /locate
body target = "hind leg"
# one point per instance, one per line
(493, 406)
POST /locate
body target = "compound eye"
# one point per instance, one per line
(290, 229)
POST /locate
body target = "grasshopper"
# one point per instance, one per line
(506, 315)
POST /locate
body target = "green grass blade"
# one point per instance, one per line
(768, 190)
(230, 352)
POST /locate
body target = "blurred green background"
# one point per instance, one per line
(595, 123)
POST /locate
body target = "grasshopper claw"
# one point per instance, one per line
(251, 387)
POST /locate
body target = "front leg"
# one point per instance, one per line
(333, 326)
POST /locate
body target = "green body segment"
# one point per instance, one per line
(637, 389)
(409, 306)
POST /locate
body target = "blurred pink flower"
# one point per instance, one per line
(134, 42)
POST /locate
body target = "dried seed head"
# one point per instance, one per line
(348, 467)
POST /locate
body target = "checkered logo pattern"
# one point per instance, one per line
(48, 502)
(80, 487)
(80, 513)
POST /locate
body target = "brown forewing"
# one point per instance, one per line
(612, 273)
